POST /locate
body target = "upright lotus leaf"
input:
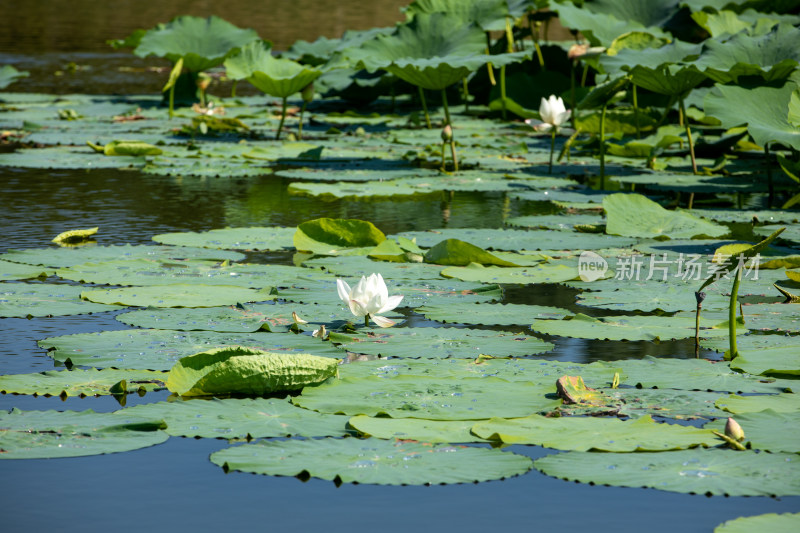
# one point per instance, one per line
(75, 236)
(488, 15)
(203, 43)
(672, 80)
(767, 111)
(51, 434)
(772, 522)
(696, 471)
(460, 253)
(604, 93)
(334, 236)
(8, 75)
(597, 434)
(275, 76)
(602, 22)
(773, 56)
(635, 215)
(373, 461)
(651, 55)
(433, 51)
(729, 22)
(240, 370)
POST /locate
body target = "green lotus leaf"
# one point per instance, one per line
(776, 361)
(396, 250)
(356, 174)
(739, 215)
(334, 236)
(414, 428)
(9, 75)
(489, 314)
(631, 328)
(257, 238)
(515, 239)
(432, 51)
(373, 461)
(595, 434)
(630, 295)
(127, 148)
(604, 93)
(488, 15)
(203, 43)
(51, 434)
(651, 58)
(65, 157)
(144, 272)
(544, 273)
(697, 471)
(76, 236)
(769, 317)
(605, 21)
(635, 215)
(15, 271)
(762, 433)
(776, 523)
(765, 110)
(429, 398)
(233, 418)
(67, 257)
(151, 349)
(668, 79)
(440, 343)
(729, 22)
(558, 222)
(177, 295)
(46, 299)
(233, 319)
(357, 266)
(277, 77)
(240, 370)
(460, 253)
(779, 403)
(773, 56)
(633, 403)
(792, 232)
(77, 382)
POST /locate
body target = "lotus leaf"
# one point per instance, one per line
(630, 295)
(151, 349)
(203, 43)
(776, 523)
(357, 266)
(515, 240)
(9, 75)
(635, 215)
(373, 461)
(76, 236)
(46, 299)
(559, 222)
(435, 431)
(697, 471)
(602, 27)
(65, 157)
(595, 434)
(333, 236)
(792, 232)
(67, 257)
(15, 271)
(233, 418)
(429, 398)
(240, 370)
(77, 382)
(544, 273)
(488, 15)
(631, 328)
(439, 343)
(623, 402)
(177, 295)
(737, 215)
(761, 431)
(779, 403)
(258, 238)
(51, 434)
(490, 314)
(776, 361)
(460, 253)
(277, 77)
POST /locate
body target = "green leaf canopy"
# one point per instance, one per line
(274, 76)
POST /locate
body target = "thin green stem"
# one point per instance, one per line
(172, 101)
(503, 89)
(444, 163)
(572, 92)
(300, 124)
(585, 74)
(734, 351)
(688, 135)
(636, 112)
(366, 320)
(770, 186)
(697, 331)
(283, 117)
(452, 137)
(603, 147)
(424, 107)
(465, 87)
(233, 88)
(552, 149)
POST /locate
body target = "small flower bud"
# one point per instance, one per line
(734, 430)
(447, 133)
(308, 92)
(699, 296)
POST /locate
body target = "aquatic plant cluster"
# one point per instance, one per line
(656, 156)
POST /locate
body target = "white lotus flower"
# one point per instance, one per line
(369, 298)
(553, 113)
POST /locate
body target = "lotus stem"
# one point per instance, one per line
(585, 73)
(572, 92)
(283, 118)
(636, 112)
(688, 136)
(732, 314)
(503, 90)
(233, 88)
(535, 39)
(732, 442)
(172, 101)
(465, 87)
(489, 64)
(770, 187)
(424, 107)
(300, 124)
(552, 149)
(699, 296)
(691, 201)
(452, 136)
(366, 321)
(603, 147)
(444, 163)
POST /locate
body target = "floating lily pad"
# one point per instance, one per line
(373, 461)
(559, 222)
(429, 398)
(417, 429)
(177, 295)
(337, 236)
(596, 434)
(792, 232)
(360, 175)
(762, 433)
(51, 434)
(490, 314)
(679, 405)
(515, 240)
(257, 238)
(67, 257)
(544, 273)
(634, 215)
(148, 349)
(775, 523)
(630, 295)
(46, 299)
(66, 157)
(437, 343)
(233, 418)
(780, 403)
(15, 271)
(77, 382)
(357, 266)
(698, 471)
(631, 328)
(746, 215)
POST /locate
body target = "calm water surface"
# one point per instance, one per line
(173, 486)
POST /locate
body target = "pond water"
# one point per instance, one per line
(173, 486)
